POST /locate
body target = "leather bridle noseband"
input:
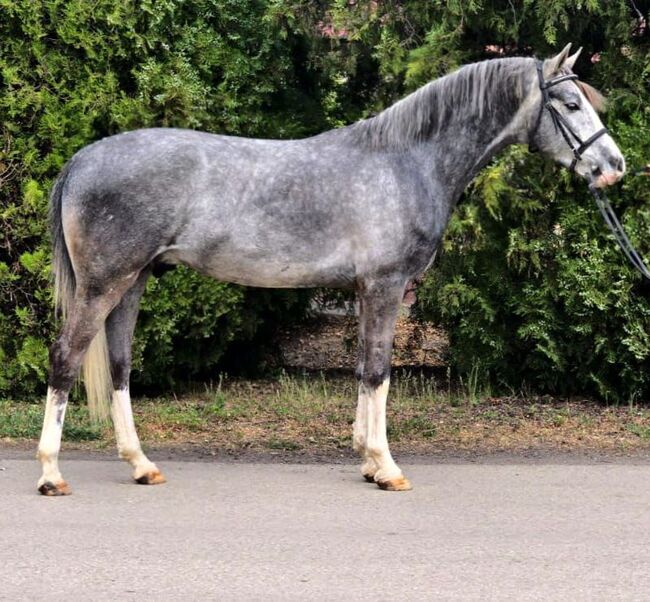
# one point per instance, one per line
(559, 121)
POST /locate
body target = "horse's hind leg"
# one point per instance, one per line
(379, 305)
(84, 320)
(120, 325)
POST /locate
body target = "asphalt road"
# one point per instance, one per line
(317, 532)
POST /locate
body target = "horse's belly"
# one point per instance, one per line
(268, 271)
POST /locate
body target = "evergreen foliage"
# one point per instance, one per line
(530, 286)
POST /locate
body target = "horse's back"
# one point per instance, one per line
(306, 212)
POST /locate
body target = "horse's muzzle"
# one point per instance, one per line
(607, 178)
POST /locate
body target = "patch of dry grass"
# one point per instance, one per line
(313, 414)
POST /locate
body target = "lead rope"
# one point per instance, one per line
(619, 233)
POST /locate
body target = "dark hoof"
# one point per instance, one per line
(155, 477)
(370, 478)
(52, 489)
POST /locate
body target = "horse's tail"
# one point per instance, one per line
(96, 366)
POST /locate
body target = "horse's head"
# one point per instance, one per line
(565, 124)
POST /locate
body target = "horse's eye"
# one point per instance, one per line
(572, 106)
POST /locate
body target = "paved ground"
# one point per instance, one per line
(298, 532)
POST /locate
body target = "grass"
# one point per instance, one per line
(641, 431)
(24, 421)
(313, 413)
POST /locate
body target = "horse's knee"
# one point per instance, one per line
(376, 367)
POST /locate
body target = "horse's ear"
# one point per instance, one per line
(552, 66)
(571, 61)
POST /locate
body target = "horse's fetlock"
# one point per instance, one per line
(130, 454)
(43, 455)
(358, 443)
(375, 451)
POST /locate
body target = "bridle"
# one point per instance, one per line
(578, 149)
(559, 121)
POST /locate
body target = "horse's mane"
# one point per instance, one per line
(493, 85)
(496, 85)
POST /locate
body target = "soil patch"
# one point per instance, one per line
(329, 342)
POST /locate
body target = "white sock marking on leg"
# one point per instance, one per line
(128, 444)
(360, 423)
(50, 442)
(376, 438)
(359, 442)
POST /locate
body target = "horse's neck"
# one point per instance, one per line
(458, 152)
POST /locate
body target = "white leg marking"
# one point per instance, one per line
(376, 439)
(128, 444)
(360, 424)
(50, 443)
(359, 443)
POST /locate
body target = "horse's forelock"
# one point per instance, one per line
(595, 98)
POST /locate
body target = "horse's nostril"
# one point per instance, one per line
(617, 163)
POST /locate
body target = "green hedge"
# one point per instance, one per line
(530, 286)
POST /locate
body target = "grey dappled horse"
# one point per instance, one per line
(362, 207)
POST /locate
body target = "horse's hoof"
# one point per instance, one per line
(397, 484)
(52, 489)
(369, 477)
(153, 477)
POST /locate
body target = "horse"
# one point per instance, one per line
(361, 207)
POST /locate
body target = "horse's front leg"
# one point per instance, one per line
(379, 305)
(359, 434)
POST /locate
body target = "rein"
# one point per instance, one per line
(619, 233)
(600, 197)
